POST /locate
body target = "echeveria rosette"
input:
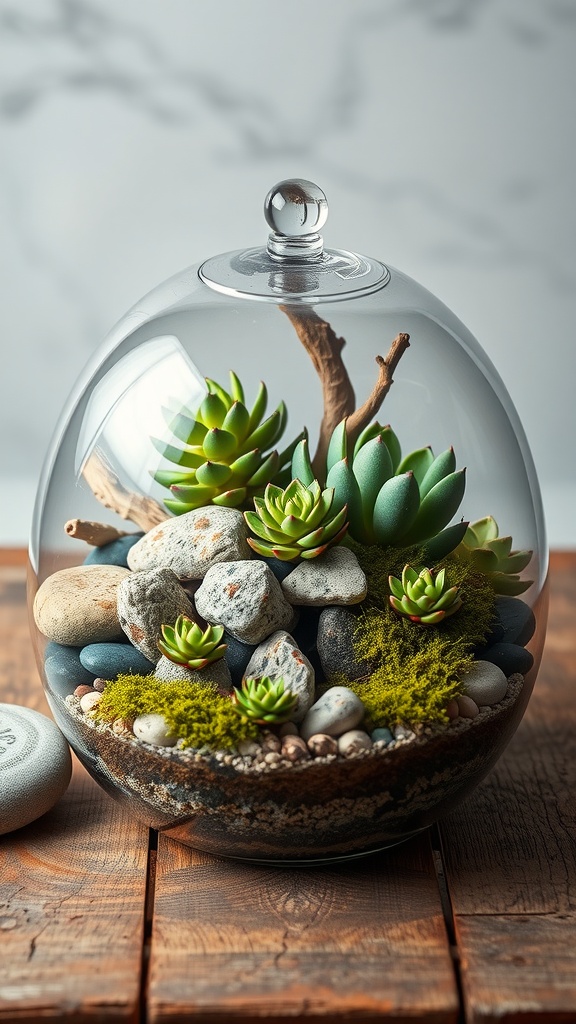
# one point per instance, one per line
(392, 500)
(186, 644)
(493, 555)
(295, 523)
(265, 701)
(224, 458)
(423, 596)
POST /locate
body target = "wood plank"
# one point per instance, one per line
(510, 850)
(72, 884)
(363, 941)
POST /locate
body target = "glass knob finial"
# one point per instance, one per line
(296, 210)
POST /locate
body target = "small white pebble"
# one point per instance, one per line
(89, 701)
(272, 757)
(401, 733)
(353, 741)
(248, 748)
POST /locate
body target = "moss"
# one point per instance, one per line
(197, 713)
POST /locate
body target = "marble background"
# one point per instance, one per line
(139, 137)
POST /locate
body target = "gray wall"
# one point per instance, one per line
(441, 130)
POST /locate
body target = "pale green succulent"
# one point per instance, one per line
(296, 522)
(265, 701)
(493, 555)
(423, 596)
(391, 500)
(186, 644)
(224, 457)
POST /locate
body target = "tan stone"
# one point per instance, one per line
(77, 606)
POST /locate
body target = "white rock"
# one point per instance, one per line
(353, 741)
(89, 701)
(334, 578)
(168, 671)
(280, 658)
(485, 683)
(77, 606)
(148, 600)
(246, 598)
(191, 543)
(154, 729)
(35, 766)
(337, 711)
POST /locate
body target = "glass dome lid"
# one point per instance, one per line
(316, 432)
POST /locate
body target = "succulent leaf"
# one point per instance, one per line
(338, 446)
(186, 644)
(301, 464)
(395, 508)
(437, 508)
(487, 551)
(439, 468)
(418, 462)
(265, 701)
(423, 597)
(297, 522)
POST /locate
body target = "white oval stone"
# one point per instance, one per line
(337, 711)
(35, 766)
(153, 729)
(485, 683)
(353, 741)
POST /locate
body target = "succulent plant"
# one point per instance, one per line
(493, 555)
(423, 596)
(224, 459)
(186, 644)
(295, 522)
(391, 500)
(264, 701)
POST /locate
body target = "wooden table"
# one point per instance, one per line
(100, 919)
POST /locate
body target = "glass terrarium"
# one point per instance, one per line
(288, 554)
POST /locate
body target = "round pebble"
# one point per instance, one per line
(382, 735)
(295, 749)
(111, 660)
(100, 685)
(64, 670)
(485, 683)
(452, 709)
(337, 710)
(288, 729)
(467, 707)
(81, 690)
(114, 553)
(248, 748)
(353, 742)
(321, 745)
(153, 729)
(510, 658)
(35, 766)
(90, 700)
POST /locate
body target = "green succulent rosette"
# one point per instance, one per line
(297, 522)
(186, 644)
(493, 555)
(224, 458)
(265, 701)
(423, 597)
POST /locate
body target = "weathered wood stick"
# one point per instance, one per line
(96, 534)
(386, 367)
(107, 488)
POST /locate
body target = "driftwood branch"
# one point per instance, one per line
(96, 534)
(107, 488)
(386, 367)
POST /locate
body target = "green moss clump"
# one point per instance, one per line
(197, 713)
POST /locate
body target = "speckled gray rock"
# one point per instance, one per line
(485, 683)
(35, 766)
(337, 711)
(334, 578)
(279, 658)
(153, 729)
(146, 601)
(189, 544)
(77, 606)
(217, 672)
(246, 598)
(336, 630)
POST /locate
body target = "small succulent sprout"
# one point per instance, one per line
(493, 555)
(391, 500)
(265, 701)
(297, 522)
(186, 644)
(423, 596)
(224, 457)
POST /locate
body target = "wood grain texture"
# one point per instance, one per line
(359, 942)
(511, 849)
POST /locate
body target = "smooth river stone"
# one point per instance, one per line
(334, 578)
(110, 660)
(154, 729)
(191, 543)
(114, 553)
(485, 683)
(510, 658)
(35, 766)
(63, 669)
(337, 711)
(77, 606)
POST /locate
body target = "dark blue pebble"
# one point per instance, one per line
(382, 734)
(510, 658)
(237, 656)
(64, 670)
(110, 660)
(515, 622)
(280, 569)
(114, 553)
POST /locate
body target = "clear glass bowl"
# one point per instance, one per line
(203, 323)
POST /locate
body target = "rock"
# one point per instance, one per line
(334, 578)
(77, 606)
(217, 672)
(288, 729)
(153, 729)
(452, 709)
(193, 542)
(295, 749)
(89, 701)
(485, 683)
(100, 685)
(353, 742)
(237, 656)
(467, 708)
(147, 601)
(510, 658)
(402, 733)
(114, 553)
(321, 745)
(516, 621)
(280, 569)
(110, 660)
(336, 712)
(249, 748)
(246, 598)
(279, 658)
(271, 742)
(35, 766)
(381, 735)
(64, 670)
(81, 690)
(336, 630)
